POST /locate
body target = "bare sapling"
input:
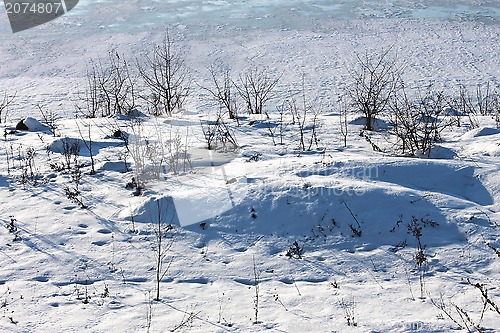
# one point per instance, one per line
(51, 118)
(111, 88)
(5, 102)
(223, 91)
(343, 124)
(166, 77)
(219, 135)
(256, 285)
(87, 141)
(163, 244)
(256, 88)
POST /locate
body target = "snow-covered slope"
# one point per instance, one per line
(312, 240)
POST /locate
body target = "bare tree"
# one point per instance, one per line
(110, 88)
(376, 80)
(223, 90)
(256, 88)
(5, 102)
(167, 78)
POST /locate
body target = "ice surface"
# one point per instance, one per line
(294, 13)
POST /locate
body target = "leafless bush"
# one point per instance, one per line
(484, 101)
(51, 118)
(151, 152)
(420, 258)
(30, 173)
(295, 251)
(223, 91)
(177, 157)
(137, 146)
(110, 88)
(219, 135)
(71, 152)
(463, 106)
(5, 102)
(418, 122)
(376, 80)
(256, 88)
(461, 316)
(349, 308)
(305, 118)
(87, 141)
(166, 77)
(278, 127)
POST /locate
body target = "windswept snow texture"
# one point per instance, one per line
(325, 240)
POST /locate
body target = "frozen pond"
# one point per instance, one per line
(288, 14)
(443, 41)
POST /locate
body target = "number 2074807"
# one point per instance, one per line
(33, 8)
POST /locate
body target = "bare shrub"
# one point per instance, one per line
(295, 251)
(417, 122)
(256, 285)
(30, 172)
(305, 119)
(349, 308)
(376, 80)
(87, 141)
(51, 118)
(256, 88)
(151, 152)
(343, 124)
(462, 316)
(278, 127)
(137, 146)
(483, 101)
(110, 88)
(219, 135)
(166, 77)
(5, 102)
(223, 91)
(177, 157)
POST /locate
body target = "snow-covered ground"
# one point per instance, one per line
(352, 210)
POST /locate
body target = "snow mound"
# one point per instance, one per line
(34, 125)
(376, 123)
(442, 153)
(131, 115)
(150, 210)
(117, 166)
(63, 144)
(481, 131)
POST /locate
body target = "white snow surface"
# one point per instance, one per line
(249, 212)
